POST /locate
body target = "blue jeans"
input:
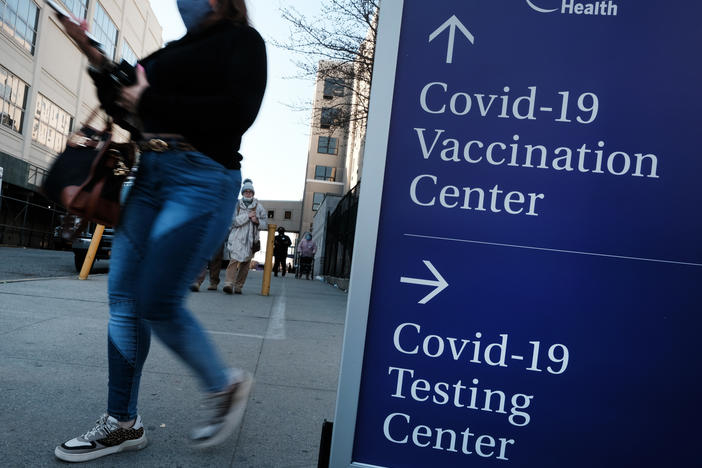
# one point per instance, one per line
(174, 219)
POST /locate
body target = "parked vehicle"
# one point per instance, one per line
(82, 242)
(64, 232)
(60, 243)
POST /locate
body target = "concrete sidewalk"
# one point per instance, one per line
(53, 372)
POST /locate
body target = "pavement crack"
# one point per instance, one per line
(92, 301)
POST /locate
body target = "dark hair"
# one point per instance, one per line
(230, 10)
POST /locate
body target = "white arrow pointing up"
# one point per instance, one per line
(451, 24)
(440, 283)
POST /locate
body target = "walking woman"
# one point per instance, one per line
(307, 249)
(194, 98)
(249, 219)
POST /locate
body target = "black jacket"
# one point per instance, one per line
(281, 244)
(208, 87)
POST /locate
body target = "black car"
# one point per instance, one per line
(81, 243)
(64, 232)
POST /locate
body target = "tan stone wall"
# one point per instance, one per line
(314, 158)
(57, 70)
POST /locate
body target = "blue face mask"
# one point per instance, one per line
(308, 237)
(192, 12)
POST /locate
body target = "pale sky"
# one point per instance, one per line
(275, 147)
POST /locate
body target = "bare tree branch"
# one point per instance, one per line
(343, 38)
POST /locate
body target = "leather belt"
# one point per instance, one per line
(159, 145)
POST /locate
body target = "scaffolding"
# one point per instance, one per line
(28, 219)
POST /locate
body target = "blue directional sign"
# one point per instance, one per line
(527, 280)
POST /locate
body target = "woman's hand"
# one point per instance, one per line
(77, 32)
(130, 95)
(252, 217)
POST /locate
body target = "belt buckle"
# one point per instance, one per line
(157, 145)
(120, 169)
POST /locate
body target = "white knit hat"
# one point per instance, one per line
(247, 185)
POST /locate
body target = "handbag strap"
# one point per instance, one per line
(94, 113)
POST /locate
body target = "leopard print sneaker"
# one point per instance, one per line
(106, 438)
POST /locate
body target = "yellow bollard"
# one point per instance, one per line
(92, 250)
(268, 266)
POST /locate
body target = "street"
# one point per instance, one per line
(53, 362)
(18, 263)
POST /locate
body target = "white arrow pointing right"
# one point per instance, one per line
(440, 283)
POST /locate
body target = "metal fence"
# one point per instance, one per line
(27, 224)
(341, 227)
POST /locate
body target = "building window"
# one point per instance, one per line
(327, 145)
(52, 125)
(36, 175)
(128, 54)
(325, 173)
(19, 19)
(330, 116)
(317, 199)
(13, 100)
(104, 31)
(333, 87)
(271, 214)
(78, 7)
(288, 215)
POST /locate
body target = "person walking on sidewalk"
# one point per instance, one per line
(281, 243)
(195, 98)
(243, 242)
(214, 265)
(306, 248)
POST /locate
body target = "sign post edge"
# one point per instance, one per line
(366, 234)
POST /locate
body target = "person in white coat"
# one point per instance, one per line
(249, 218)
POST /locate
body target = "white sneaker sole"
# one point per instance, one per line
(135, 444)
(234, 417)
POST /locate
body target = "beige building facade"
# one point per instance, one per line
(335, 160)
(284, 213)
(326, 157)
(45, 91)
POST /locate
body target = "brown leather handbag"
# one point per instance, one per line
(87, 177)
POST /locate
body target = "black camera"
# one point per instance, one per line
(109, 80)
(124, 74)
(112, 74)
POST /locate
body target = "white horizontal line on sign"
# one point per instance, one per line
(594, 254)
